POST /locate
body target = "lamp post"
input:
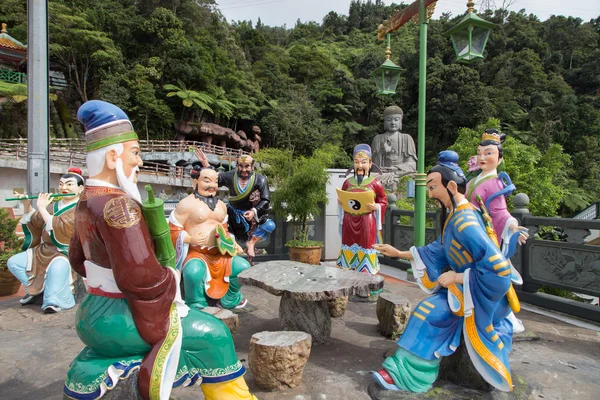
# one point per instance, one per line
(469, 38)
(388, 74)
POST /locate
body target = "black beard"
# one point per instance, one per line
(210, 201)
(360, 178)
(239, 174)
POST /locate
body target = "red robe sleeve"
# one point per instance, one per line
(76, 254)
(149, 287)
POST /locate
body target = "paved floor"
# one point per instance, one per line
(36, 349)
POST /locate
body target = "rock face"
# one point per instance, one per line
(226, 316)
(277, 359)
(393, 312)
(311, 317)
(337, 307)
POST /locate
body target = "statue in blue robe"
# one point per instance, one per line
(468, 277)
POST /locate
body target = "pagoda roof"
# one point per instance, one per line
(8, 42)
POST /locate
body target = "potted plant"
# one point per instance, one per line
(300, 194)
(9, 246)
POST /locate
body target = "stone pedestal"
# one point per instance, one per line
(393, 312)
(226, 316)
(337, 307)
(277, 359)
(458, 369)
(307, 316)
(126, 389)
(305, 291)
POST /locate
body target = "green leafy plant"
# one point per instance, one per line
(302, 194)
(9, 241)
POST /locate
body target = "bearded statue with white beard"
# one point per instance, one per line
(133, 318)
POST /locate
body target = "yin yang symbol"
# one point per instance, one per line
(354, 204)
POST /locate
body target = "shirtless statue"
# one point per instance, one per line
(249, 202)
(199, 233)
(393, 150)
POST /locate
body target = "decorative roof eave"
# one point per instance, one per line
(9, 42)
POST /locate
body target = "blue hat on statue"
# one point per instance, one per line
(105, 124)
(362, 149)
(449, 159)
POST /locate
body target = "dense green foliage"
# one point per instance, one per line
(301, 185)
(312, 84)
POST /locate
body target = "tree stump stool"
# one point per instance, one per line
(226, 316)
(393, 312)
(277, 359)
(337, 307)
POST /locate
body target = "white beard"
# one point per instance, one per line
(127, 183)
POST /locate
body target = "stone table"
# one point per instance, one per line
(304, 291)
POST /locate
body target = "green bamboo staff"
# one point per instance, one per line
(154, 212)
(57, 196)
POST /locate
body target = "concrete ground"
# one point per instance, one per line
(564, 363)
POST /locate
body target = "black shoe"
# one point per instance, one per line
(28, 298)
(51, 309)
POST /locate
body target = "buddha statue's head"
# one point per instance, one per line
(392, 119)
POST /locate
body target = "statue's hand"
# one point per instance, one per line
(373, 207)
(24, 201)
(386, 249)
(43, 201)
(523, 236)
(249, 215)
(201, 156)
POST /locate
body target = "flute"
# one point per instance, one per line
(52, 196)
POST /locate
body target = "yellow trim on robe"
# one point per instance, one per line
(489, 328)
(495, 338)
(501, 265)
(500, 345)
(428, 304)
(472, 217)
(457, 254)
(505, 272)
(458, 221)
(459, 295)
(463, 226)
(458, 246)
(427, 282)
(453, 257)
(484, 353)
(426, 311)
(467, 256)
(416, 314)
(494, 257)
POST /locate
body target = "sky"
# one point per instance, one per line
(280, 12)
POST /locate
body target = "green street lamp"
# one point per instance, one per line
(477, 33)
(388, 74)
(470, 36)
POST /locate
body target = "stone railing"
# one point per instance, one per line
(72, 152)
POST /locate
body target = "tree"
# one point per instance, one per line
(190, 98)
(80, 49)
